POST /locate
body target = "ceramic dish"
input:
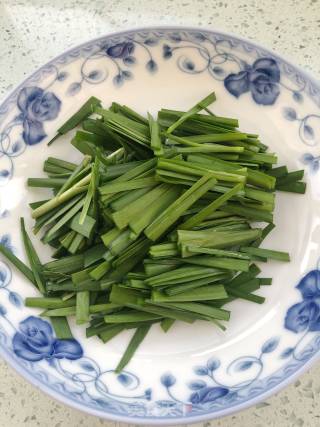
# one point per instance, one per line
(194, 372)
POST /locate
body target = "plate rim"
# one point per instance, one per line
(165, 420)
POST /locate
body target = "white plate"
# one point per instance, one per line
(192, 372)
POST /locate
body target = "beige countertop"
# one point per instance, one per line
(34, 31)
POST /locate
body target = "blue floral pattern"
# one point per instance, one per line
(36, 106)
(305, 315)
(62, 365)
(311, 161)
(121, 50)
(209, 389)
(35, 341)
(309, 131)
(208, 394)
(261, 79)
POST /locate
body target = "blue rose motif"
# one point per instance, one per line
(309, 285)
(302, 316)
(120, 50)
(208, 394)
(36, 106)
(35, 342)
(261, 79)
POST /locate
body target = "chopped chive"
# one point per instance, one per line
(110, 333)
(205, 102)
(91, 191)
(49, 303)
(166, 324)
(141, 222)
(51, 217)
(17, 263)
(265, 281)
(100, 270)
(76, 243)
(217, 252)
(153, 308)
(156, 224)
(79, 187)
(125, 110)
(68, 264)
(185, 274)
(59, 312)
(130, 316)
(183, 287)
(134, 184)
(65, 219)
(266, 253)
(33, 258)
(46, 182)
(215, 239)
(245, 277)
(61, 328)
(82, 307)
(135, 341)
(174, 211)
(202, 309)
(85, 228)
(124, 216)
(77, 174)
(246, 295)
(278, 172)
(208, 210)
(94, 254)
(63, 164)
(85, 111)
(102, 328)
(156, 143)
(290, 178)
(219, 262)
(247, 212)
(204, 293)
(293, 187)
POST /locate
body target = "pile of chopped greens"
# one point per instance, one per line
(160, 222)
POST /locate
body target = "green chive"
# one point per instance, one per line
(85, 111)
(205, 102)
(266, 253)
(135, 341)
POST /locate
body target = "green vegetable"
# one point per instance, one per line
(156, 224)
(85, 111)
(205, 102)
(82, 307)
(156, 143)
(208, 210)
(205, 293)
(136, 340)
(166, 324)
(175, 210)
(25, 270)
(267, 253)
(33, 258)
(61, 328)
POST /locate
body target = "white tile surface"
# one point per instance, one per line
(34, 31)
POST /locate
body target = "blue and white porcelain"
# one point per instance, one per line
(194, 372)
